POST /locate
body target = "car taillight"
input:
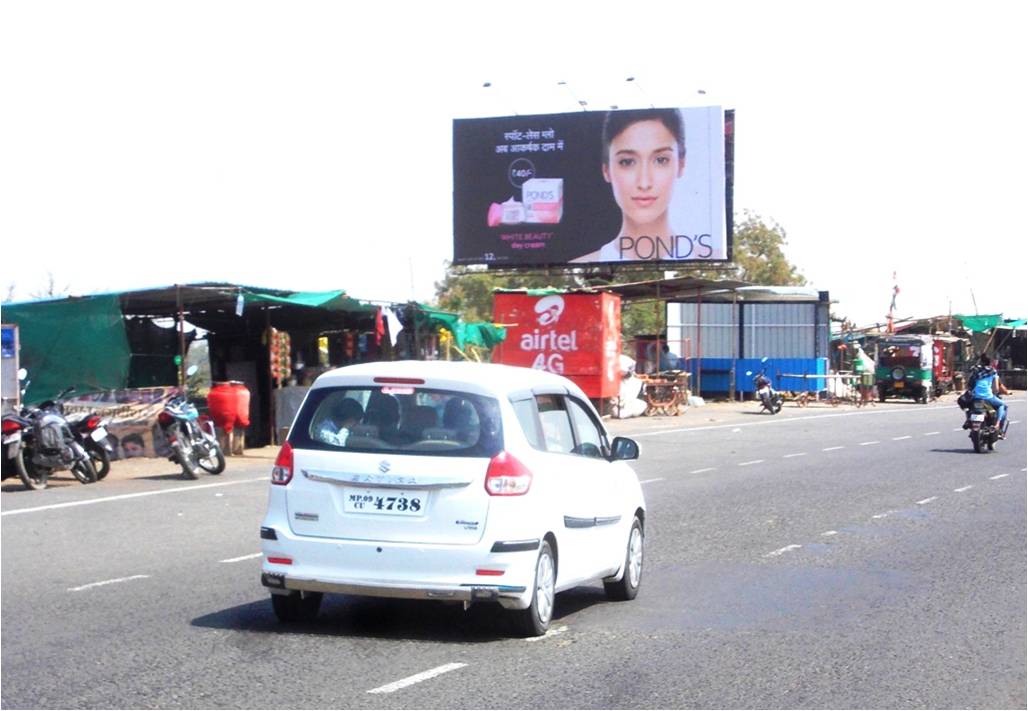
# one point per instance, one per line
(11, 426)
(507, 476)
(164, 418)
(282, 472)
(92, 422)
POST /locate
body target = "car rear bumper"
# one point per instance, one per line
(489, 570)
(413, 591)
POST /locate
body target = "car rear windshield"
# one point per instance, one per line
(407, 419)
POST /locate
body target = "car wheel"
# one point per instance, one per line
(628, 587)
(535, 620)
(296, 606)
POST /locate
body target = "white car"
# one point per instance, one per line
(450, 481)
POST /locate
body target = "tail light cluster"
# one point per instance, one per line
(507, 476)
(282, 472)
(164, 418)
(92, 422)
(10, 426)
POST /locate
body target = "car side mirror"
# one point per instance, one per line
(623, 448)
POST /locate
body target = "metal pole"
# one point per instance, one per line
(271, 382)
(656, 354)
(735, 301)
(181, 338)
(699, 343)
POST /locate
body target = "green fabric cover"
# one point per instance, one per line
(978, 324)
(332, 300)
(71, 342)
(480, 333)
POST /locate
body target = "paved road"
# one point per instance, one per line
(821, 558)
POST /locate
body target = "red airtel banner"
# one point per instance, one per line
(574, 335)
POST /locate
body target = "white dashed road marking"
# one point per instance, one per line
(107, 582)
(929, 500)
(999, 476)
(242, 557)
(962, 489)
(864, 444)
(423, 676)
(882, 515)
(830, 533)
(897, 439)
(786, 549)
(832, 449)
(121, 497)
(797, 454)
(929, 434)
(752, 461)
(648, 481)
(700, 471)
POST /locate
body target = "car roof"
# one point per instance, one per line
(485, 378)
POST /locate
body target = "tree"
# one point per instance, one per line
(51, 290)
(758, 256)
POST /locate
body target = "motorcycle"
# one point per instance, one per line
(38, 442)
(193, 442)
(982, 422)
(91, 433)
(770, 399)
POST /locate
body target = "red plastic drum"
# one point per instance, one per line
(242, 403)
(222, 402)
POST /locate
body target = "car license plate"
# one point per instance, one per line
(764, 390)
(899, 385)
(391, 502)
(977, 417)
(99, 434)
(13, 437)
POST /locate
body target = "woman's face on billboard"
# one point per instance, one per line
(642, 167)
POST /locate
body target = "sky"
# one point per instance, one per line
(307, 146)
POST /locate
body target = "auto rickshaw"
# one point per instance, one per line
(905, 367)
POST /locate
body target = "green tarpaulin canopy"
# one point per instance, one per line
(480, 333)
(978, 324)
(78, 342)
(86, 342)
(332, 300)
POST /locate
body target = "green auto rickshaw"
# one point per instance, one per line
(905, 367)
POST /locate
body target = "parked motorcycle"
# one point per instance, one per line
(981, 421)
(194, 445)
(39, 442)
(770, 399)
(91, 432)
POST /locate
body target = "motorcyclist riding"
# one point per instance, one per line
(983, 383)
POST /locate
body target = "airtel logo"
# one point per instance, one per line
(549, 309)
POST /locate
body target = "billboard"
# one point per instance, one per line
(591, 187)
